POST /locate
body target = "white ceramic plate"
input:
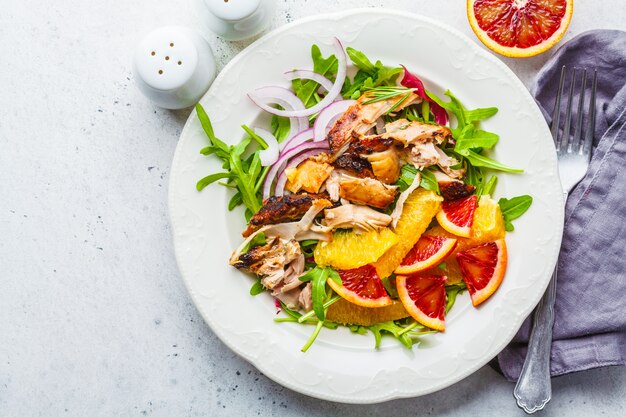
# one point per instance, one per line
(342, 366)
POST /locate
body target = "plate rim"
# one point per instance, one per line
(391, 394)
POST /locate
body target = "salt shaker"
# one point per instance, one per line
(174, 67)
(234, 20)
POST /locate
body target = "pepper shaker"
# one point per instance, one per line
(234, 20)
(174, 66)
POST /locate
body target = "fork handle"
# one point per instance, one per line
(533, 389)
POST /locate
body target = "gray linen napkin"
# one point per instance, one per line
(590, 313)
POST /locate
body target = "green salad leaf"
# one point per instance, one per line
(514, 208)
(407, 176)
(368, 75)
(451, 292)
(306, 89)
(257, 288)
(244, 174)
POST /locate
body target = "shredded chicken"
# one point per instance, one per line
(412, 133)
(283, 209)
(446, 163)
(351, 216)
(360, 118)
(365, 191)
(422, 155)
(397, 210)
(306, 297)
(280, 261)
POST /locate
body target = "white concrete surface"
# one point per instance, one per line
(94, 318)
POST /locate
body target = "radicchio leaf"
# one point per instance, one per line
(411, 81)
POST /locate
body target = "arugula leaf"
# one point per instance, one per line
(451, 292)
(258, 240)
(479, 160)
(281, 126)
(325, 66)
(318, 277)
(368, 75)
(477, 115)
(390, 287)
(245, 173)
(258, 139)
(209, 179)
(361, 61)
(429, 181)
(474, 139)
(462, 115)
(257, 288)
(514, 208)
(489, 186)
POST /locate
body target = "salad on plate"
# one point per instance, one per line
(368, 199)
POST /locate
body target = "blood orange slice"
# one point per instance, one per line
(424, 298)
(428, 252)
(457, 216)
(361, 286)
(519, 28)
(483, 268)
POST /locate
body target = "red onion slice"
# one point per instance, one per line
(301, 137)
(270, 155)
(310, 75)
(282, 160)
(282, 178)
(288, 100)
(328, 116)
(330, 97)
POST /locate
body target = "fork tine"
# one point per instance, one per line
(585, 149)
(556, 113)
(565, 138)
(574, 145)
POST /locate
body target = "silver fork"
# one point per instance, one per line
(533, 389)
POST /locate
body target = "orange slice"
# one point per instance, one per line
(483, 268)
(457, 216)
(361, 286)
(519, 28)
(424, 297)
(429, 251)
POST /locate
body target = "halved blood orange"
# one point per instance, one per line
(483, 268)
(457, 216)
(519, 28)
(424, 297)
(429, 251)
(361, 286)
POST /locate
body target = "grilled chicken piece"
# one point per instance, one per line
(360, 118)
(365, 191)
(354, 164)
(305, 298)
(351, 216)
(386, 165)
(283, 209)
(422, 155)
(269, 260)
(280, 261)
(452, 188)
(370, 144)
(308, 176)
(411, 133)
(380, 153)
